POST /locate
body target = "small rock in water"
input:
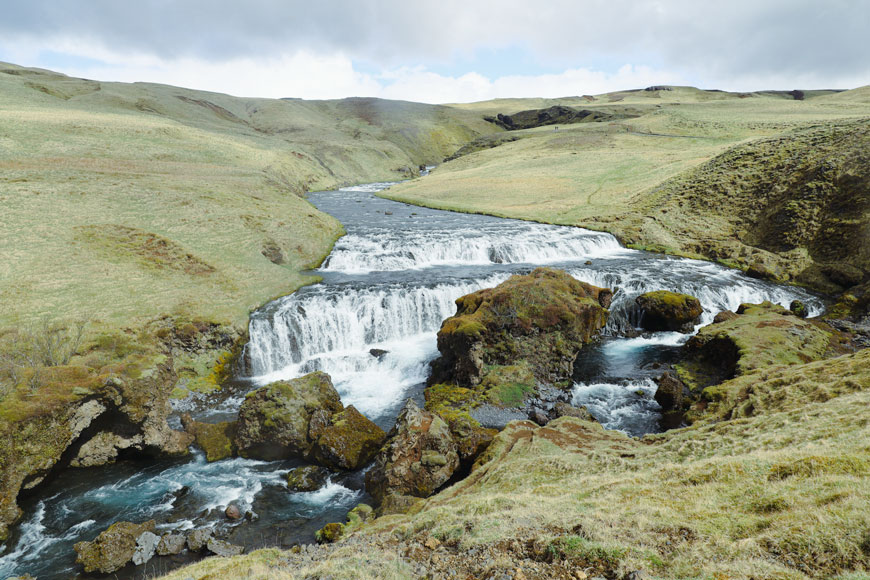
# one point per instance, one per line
(223, 548)
(146, 545)
(799, 308)
(378, 353)
(170, 544)
(233, 512)
(307, 478)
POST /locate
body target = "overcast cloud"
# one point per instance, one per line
(432, 51)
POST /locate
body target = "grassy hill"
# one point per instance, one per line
(123, 202)
(612, 175)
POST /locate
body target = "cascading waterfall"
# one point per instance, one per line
(371, 324)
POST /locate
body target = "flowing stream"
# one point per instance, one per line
(371, 324)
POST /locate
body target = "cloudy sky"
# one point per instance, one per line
(444, 50)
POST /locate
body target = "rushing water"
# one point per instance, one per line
(387, 285)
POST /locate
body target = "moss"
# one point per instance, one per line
(508, 386)
(329, 533)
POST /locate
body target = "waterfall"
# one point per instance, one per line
(395, 250)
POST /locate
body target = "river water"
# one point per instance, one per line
(387, 285)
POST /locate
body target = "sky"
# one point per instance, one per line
(447, 50)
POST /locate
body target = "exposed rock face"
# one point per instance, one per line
(146, 546)
(556, 115)
(419, 457)
(216, 439)
(109, 412)
(307, 478)
(543, 318)
(724, 316)
(562, 409)
(273, 420)
(348, 442)
(663, 310)
(116, 546)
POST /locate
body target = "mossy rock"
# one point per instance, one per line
(669, 311)
(307, 478)
(543, 318)
(217, 440)
(348, 442)
(112, 549)
(329, 533)
(273, 420)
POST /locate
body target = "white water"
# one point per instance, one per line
(388, 285)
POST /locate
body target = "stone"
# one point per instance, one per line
(307, 478)
(760, 271)
(562, 409)
(431, 543)
(198, 539)
(146, 545)
(113, 549)
(378, 353)
(539, 417)
(233, 512)
(419, 457)
(223, 548)
(724, 316)
(171, 544)
(273, 420)
(669, 393)
(669, 311)
(329, 533)
(798, 308)
(348, 442)
(215, 439)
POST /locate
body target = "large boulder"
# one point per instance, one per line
(419, 457)
(663, 310)
(273, 420)
(543, 318)
(115, 547)
(215, 439)
(307, 478)
(348, 441)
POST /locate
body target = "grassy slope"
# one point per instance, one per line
(605, 176)
(204, 180)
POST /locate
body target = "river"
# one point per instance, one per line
(387, 285)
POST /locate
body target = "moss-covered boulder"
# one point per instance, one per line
(112, 549)
(348, 442)
(543, 318)
(420, 456)
(307, 478)
(217, 440)
(329, 533)
(671, 311)
(273, 420)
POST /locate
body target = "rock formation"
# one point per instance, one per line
(663, 310)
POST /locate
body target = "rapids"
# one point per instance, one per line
(387, 285)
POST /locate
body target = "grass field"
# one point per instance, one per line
(127, 202)
(606, 175)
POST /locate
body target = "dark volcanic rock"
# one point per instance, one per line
(307, 478)
(663, 310)
(215, 439)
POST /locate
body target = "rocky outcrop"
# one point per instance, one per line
(419, 457)
(556, 115)
(86, 417)
(217, 440)
(543, 318)
(304, 418)
(756, 337)
(273, 420)
(669, 311)
(116, 547)
(307, 478)
(348, 440)
(171, 544)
